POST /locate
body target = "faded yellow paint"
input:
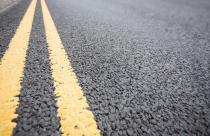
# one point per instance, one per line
(11, 71)
(76, 119)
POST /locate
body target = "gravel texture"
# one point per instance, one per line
(143, 65)
(9, 21)
(37, 112)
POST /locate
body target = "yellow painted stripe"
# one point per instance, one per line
(76, 119)
(11, 71)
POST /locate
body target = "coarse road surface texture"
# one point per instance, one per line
(143, 67)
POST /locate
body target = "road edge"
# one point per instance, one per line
(12, 4)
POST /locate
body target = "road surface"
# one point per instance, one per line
(105, 67)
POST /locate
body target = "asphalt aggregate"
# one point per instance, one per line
(143, 65)
(9, 20)
(37, 111)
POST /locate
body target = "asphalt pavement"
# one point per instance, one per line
(9, 20)
(143, 65)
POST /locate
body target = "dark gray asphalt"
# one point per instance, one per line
(37, 111)
(9, 20)
(144, 65)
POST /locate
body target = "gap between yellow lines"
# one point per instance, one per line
(76, 119)
(11, 71)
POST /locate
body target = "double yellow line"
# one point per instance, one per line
(76, 119)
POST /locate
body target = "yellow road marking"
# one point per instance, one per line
(11, 71)
(76, 119)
